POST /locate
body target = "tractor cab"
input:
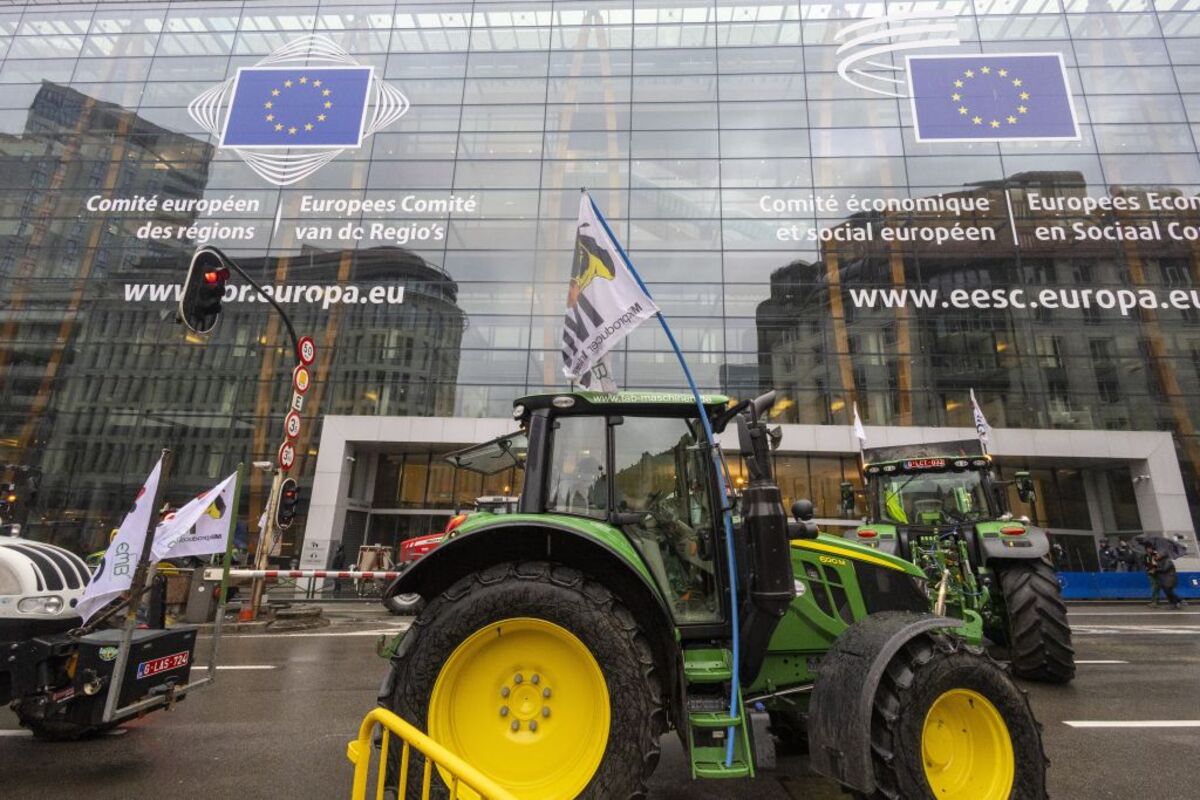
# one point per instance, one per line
(637, 461)
(928, 490)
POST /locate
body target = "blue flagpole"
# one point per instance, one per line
(727, 516)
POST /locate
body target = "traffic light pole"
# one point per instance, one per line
(304, 352)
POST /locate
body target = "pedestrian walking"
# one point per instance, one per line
(1163, 577)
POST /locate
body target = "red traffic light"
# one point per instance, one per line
(289, 498)
(203, 290)
(216, 276)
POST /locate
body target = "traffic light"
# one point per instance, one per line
(203, 291)
(289, 498)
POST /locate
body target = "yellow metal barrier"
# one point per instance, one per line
(458, 773)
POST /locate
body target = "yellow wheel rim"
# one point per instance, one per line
(524, 701)
(966, 749)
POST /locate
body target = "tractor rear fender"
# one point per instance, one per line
(839, 715)
(1033, 544)
(524, 540)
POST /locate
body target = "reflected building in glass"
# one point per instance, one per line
(762, 168)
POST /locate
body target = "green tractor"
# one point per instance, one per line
(559, 643)
(941, 507)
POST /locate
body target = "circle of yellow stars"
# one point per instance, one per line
(302, 81)
(1001, 74)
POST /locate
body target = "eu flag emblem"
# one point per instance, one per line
(297, 107)
(991, 98)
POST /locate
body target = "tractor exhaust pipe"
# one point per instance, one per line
(771, 587)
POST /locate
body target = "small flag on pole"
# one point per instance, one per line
(115, 573)
(201, 527)
(981, 423)
(605, 301)
(860, 433)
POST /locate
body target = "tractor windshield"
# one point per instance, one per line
(932, 498)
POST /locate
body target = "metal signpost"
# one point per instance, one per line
(306, 353)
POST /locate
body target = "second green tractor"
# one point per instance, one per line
(941, 507)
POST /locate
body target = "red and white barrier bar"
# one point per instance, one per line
(214, 574)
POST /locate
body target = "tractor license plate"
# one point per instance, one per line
(163, 664)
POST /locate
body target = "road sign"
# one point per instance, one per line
(306, 349)
(297, 402)
(291, 425)
(301, 378)
(287, 456)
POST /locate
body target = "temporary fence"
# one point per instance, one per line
(330, 574)
(462, 779)
(1121, 585)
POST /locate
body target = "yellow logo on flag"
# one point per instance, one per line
(591, 261)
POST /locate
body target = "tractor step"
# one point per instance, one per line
(707, 665)
(709, 762)
(712, 719)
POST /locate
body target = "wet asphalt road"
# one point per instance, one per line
(277, 723)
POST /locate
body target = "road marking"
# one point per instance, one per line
(1133, 723)
(269, 666)
(1132, 613)
(1077, 661)
(1134, 630)
(20, 733)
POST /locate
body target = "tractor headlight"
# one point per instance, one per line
(51, 604)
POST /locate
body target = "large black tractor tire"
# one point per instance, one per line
(566, 598)
(1037, 633)
(920, 675)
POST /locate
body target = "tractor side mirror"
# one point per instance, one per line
(1025, 488)
(775, 435)
(847, 498)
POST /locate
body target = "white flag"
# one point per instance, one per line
(115, 574)
(859, 432)
(981, 423)
(201, 527)
(605, 301)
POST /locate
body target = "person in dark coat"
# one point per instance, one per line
(1107, 558)
(1124, 557)
(1163, 577)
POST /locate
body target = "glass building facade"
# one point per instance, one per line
(761, 162)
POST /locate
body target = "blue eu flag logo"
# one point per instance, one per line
(297, 107)
(991, 98)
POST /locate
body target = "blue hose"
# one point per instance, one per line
(726, 515)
